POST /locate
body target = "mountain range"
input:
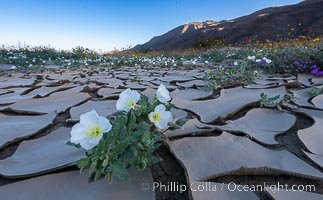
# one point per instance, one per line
(273, 23)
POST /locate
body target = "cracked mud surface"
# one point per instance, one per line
(205, 143)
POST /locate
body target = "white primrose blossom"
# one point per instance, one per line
(89, 131)
(163, 94)
(127, 100)
(251, 58)
(160, 117)
(268, 61)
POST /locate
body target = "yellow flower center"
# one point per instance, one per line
(156, 116)
(131, 103)
(94, 132)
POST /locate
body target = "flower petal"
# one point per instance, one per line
(167, 116)
(150, 116)
(105, 124)
(135, 96)
(77, 133)
(121, 105)
(162, 124)
(160, 108)
(89, 118)
(163, 94)
(95, 140)
(125, 97)
(158, 125)
(125, 94)
(87, 145)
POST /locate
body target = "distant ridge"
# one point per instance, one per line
(305, 18)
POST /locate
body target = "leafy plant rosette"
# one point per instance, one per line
(125, 139)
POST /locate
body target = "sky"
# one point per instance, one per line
(108, 24)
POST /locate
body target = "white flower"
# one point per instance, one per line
(235, 63)
(127, 100)
(268, 61)
(206, 62)
(160, 117)
(258, 61)
(13, 67)
(251, 58)
(163, 94)
(90, 130)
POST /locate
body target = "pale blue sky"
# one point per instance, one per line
(100, 24)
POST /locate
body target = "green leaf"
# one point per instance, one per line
(129, 153)
(118, 125)
(119, 170)
(265, 100)
(273, 99)
(136, 134)
(121, 146)
(143, 164)
(156, 146)
(73, 145)
(168, 106)
(155, 159)
(131, 125)
(144, 106)
(157, 138)
(105, 162)
(316, 91)
(263, 96)
(140, 146)
(98, 175)
(110, 177)
(83, 163)
(182, 121)
(147, 140)
(143, 126)
(82, 170)
(91, 177)
(93, 166)
(173, 126)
